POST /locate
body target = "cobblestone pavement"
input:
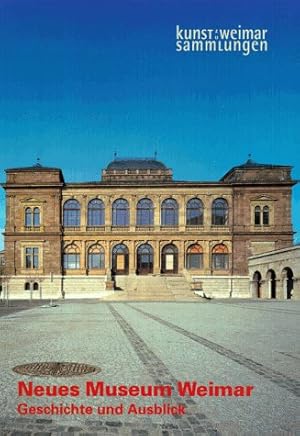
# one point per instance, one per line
(13, 306)
(225, 342)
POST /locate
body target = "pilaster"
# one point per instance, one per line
(156, 259)
(108, 213)
(132, 256)
(156, 204)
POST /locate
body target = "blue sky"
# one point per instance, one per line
(82, 79)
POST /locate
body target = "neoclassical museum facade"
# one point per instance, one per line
(66, 237)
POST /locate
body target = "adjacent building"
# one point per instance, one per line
(64, 237)
(276, 274)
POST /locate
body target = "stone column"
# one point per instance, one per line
(269, 281)
(264, 288)
(253, 288)
(284, 288)
(277, 288)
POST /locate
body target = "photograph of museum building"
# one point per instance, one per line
(87, 238)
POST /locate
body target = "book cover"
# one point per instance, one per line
(150, 263)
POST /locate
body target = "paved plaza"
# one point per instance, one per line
(232, 342)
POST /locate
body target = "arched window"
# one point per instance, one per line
(36, 217)
(144, 212)
(194, 212)
(257, 216)
(145, 259)
(28, 217)
(96, 257)
(266, 216)
(194, 257)
(71, 257)
(120, 213)
(219, 212)
(220, 257)
(27, 286)
(71, 213)
(169, 259)
(120, 259)
(35, 286)
(169, 212)
(95, 213)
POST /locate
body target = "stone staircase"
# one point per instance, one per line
(180, 287)
(152, 288)
(83, 286)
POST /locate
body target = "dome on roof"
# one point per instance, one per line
(251, 163)
(136, 169)
(136, 164)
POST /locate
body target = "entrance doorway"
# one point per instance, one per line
(271, 276)
(145, 259)
(288, 282)
(257, 284)
(169, 259)
(120, 259)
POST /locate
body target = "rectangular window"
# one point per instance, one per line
(120, 217)
(71, 218)
(266, 216)
(194, 261)
(169, 217)
(220, 218)
(220, 261)
(71, 261)
(96, 217)
(32, 258)
(194, 219)
(28, 217)
(36, 217)
(145, 217)
(96, 260)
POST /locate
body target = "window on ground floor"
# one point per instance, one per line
(71, 257)
(194, 257)
(96, 257)
(220, 257)
(31, 258)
